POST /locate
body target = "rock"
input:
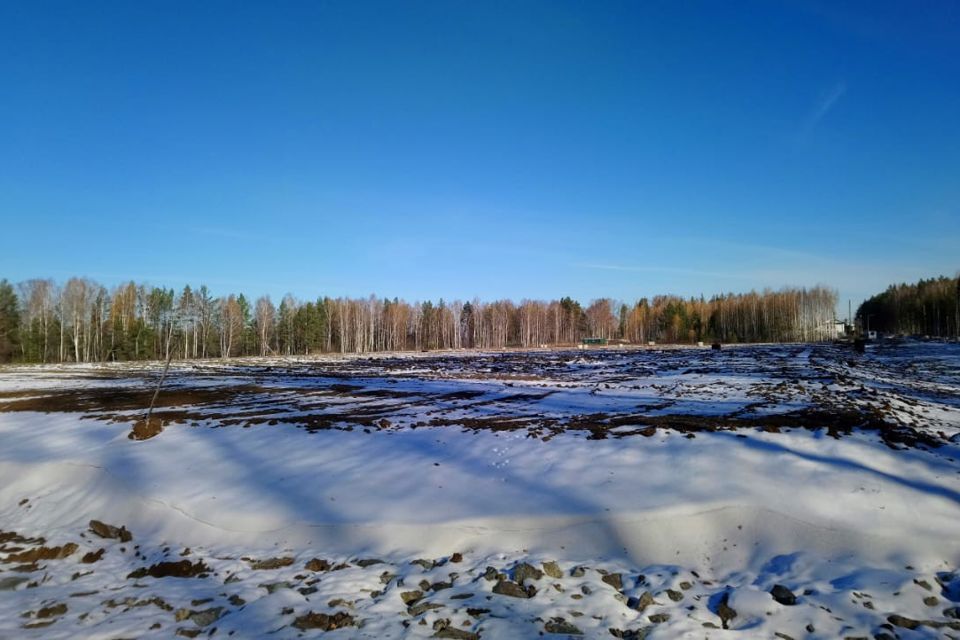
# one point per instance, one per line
(423, 607)
(457, 557)
(409, 597)
(182, 569)
(273, 587)
(902, 621)
(725, 611)
(317, 564)
(474, 612)
(559, 625)
(12, 582)
(783, 595)
(323, 621)
(686, 586)
(615, 580)
(440, 586)
(490, 574)
(552, 569)
(523, 572)
(931, 601)
(188, 633)
(952, 612)
(514, 590)
(52, 611)
(456, 634)
(109, 531)
(206, 617)
(426, 564)
(386, 577)
(784, 636)
(674, 595)
(630, 634)
(92, 556)
(368, 562)
(270, 564)
(657, 618)
(340, 602)
(641, 603)
(578, 572)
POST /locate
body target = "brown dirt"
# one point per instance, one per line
(109, 531)
(182, 569)
(325, 622)
(146, 428)
(42, 553)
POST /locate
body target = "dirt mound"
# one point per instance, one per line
(145, 429)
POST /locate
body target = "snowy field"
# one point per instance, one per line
(757, 492)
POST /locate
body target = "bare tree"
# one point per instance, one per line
(265, 316)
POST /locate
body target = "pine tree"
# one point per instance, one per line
(9, 323)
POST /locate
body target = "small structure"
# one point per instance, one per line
(594, 341)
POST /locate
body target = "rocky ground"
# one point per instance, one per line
(774, 492)
(88, 587)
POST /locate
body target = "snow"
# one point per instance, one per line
(841, 521)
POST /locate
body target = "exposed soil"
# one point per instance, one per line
(789, 386)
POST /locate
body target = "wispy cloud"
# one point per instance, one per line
(673, 270)
(822, 107)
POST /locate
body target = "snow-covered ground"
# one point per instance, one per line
(613, 493)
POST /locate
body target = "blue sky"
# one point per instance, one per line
(461, 149)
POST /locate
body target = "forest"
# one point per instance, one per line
(929, 307)
(82, 321)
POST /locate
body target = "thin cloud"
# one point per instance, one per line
(823, 106)
(674, 270)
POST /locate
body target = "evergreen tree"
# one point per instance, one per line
(9, 323)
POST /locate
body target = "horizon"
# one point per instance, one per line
(431, 151)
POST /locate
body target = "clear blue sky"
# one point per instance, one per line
(490, 149)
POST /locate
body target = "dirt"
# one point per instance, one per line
(146, 428)
(269, 564)
(324, 622)
(109, 531)
(182, 569)
(359, 393)
(42, 553)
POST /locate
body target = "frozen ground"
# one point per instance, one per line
(667, 491)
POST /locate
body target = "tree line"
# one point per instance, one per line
(928, 307)
(82, 321)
